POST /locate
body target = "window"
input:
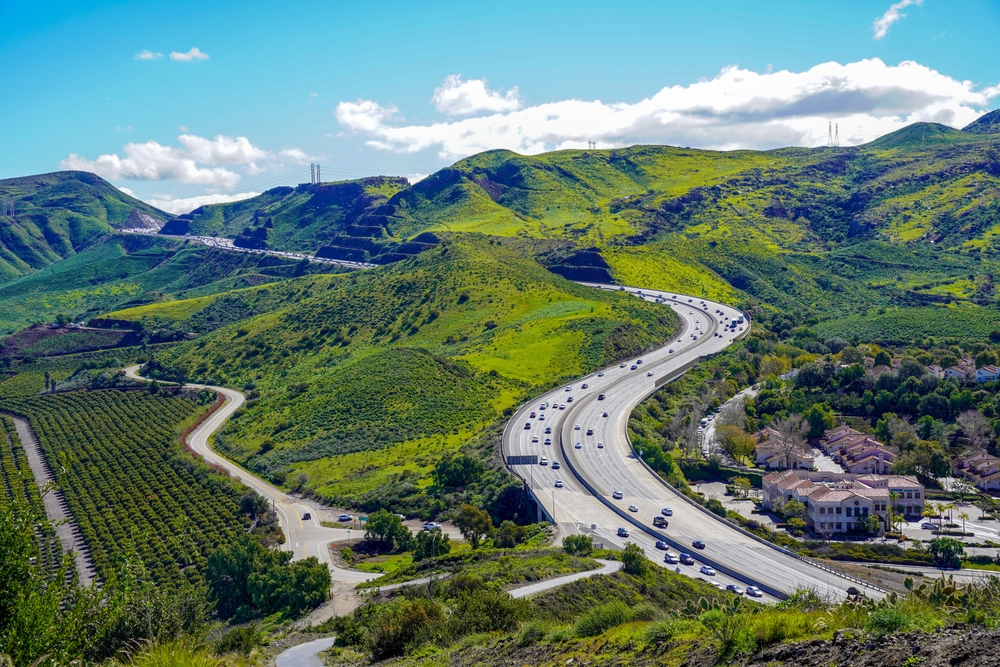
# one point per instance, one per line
(822, 510)
(916, 494)
(838, 512)
(909, 494)
(838, 525)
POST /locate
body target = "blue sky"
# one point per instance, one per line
(350, 85)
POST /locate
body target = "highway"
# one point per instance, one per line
(596, 460)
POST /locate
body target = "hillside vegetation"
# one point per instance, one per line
(373, 374)
(57, 214)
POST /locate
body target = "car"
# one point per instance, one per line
(559, 484)
(754, 592)
(343, 518)
(307, 516)
(633, 508)
(569, 388)
(927, 525)
(583, 386)
(569, 399)
(638, 361)
(527, 426)
(600, 397)
(698, 544)
(532, 415)
(733, 588)
(633, 367)
(548, 429)
(621, 365)
(600, 375)
(576, 428)
(562, 407)
(543, 461)
(650, 374)
(670, 558)
(666, 511)
(578, 446)
(548, 441)
(430, 525)
(686, 559)
(534, 438)
(605, 414)
(659, 522)
(541, 418)
(705, 569)
(555, 465)
(543, 406)
(590, 431)
(661, 545)
(622, 532)
(600, 445)
(617, 495)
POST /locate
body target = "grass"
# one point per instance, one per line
(903, 325)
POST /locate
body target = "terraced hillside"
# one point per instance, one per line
(369, 375)
(58, 214)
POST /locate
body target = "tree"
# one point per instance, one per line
(457, 470)
(430, 543)
(946, 551)
(985, 504)
(868, 524)
(742, 486)
(475, 524)
(893, 497)
(851, 355)
(963, 488)
(820, 418)
(734, 413)
(793, 509)
(791, 435)
(508, 535)
(735, 441)
(634, 559)
(964, 517)
(578, 545)
(975, 427)
(387, 530)
(883, 358)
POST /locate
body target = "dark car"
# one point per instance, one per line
(686, 559)
(659, 522)
(661, 545)
(527, 426)
(600, 397)
(307, 516)
(555, 465)
(622, 532)
(698, 544)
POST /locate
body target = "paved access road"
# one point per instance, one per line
(304, 537)
(596, 460)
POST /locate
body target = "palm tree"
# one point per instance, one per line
(893, 497)
(964, 517)
(928, 512)
(940, 510)
(951, 508)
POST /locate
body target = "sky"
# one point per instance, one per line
(183, 103)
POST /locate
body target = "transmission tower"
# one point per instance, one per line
(829, 135)
(836, 135)
(317, 175)
(312, 174)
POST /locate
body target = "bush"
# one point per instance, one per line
(887, 621)
(603, 618)
(240, 640)
(578, 545)
(487, 610)
(634, 559)
(531, 633)
(403, 627)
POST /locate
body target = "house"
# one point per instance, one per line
(981, 468)
(836, 501)
(963, 371)
(935, 370)
(877, 461)
(834, 437)
(987, 374)
(772, 453)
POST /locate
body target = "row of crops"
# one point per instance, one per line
(19, 490)
(129, 484)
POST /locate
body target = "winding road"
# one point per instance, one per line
(588, 438)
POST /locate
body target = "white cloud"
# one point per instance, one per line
(736, 109)
(297, 155)
(882, 23)
(222, 149)
(461, 98)
(129, 191)
(194, 54)
(416, 177)
(147, 55)
(188, 204)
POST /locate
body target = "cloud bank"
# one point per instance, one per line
(194, 54)
(882, 23)
(188, 204)
(197, 161)
(460, 98)
(738, 108)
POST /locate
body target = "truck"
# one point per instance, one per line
(659, 522)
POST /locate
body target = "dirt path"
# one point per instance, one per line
(55, 505)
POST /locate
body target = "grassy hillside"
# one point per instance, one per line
(125, 270)
(367, 375)
(57, 214)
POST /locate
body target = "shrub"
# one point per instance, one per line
(487, 610)
(400, 628)
(531, 633)
(634, 559)
(240, 640)
(886, 621)
(603, 618)
(578, 545)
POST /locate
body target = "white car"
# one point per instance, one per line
(430, 525)
(633, 508)
(578, 446)
(534, 438)
(617, 495)
(544, 461)
(569, 388)
(343, 518)
(705, 569)
(559, 484)
(666, 511)
(754, 592)
(670, 558)
(576, 428)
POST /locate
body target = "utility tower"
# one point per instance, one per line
(312, 174)
(317, 175)
(829, 135)
(836, 135)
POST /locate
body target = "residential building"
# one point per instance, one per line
(835, 502)
(979, 467)
(988, 373)
(772, 452)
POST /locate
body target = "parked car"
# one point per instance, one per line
(927, 525)
(622, 532)
(733, 588)
(705, 569)
(754, 592)
(670, 558)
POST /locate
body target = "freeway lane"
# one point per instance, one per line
(614, 467)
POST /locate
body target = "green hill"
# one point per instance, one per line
(377, 373)
(986, 124)
(57, 214)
